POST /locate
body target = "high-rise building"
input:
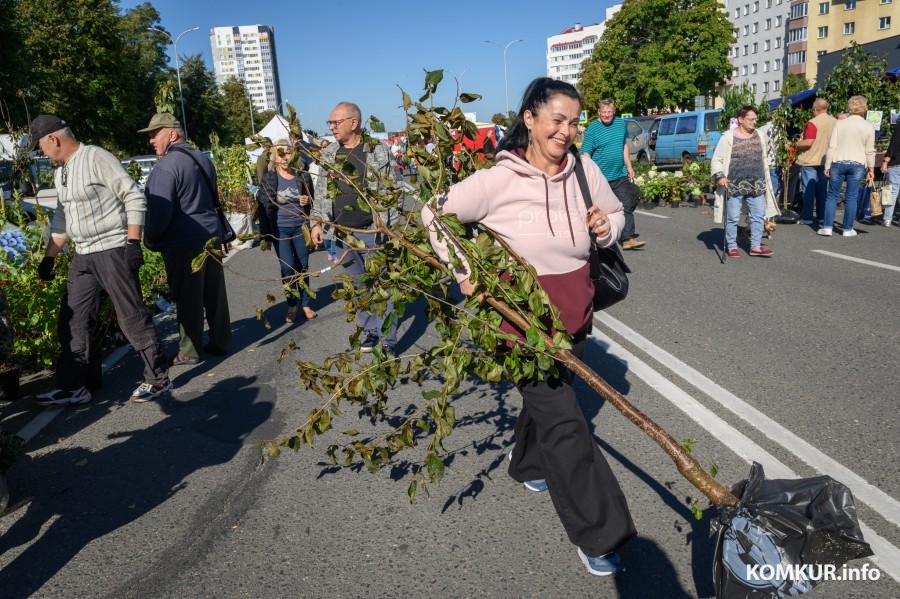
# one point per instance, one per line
(759, 49)
(247, 52)
(820, 27)
(567, 50)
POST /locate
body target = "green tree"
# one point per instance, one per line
(236, 106)
(862, 74)
(75, 66)
(202, 101)
(794, 83)
(659, 54)
(12, 63)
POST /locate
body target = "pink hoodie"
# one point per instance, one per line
(542, 218)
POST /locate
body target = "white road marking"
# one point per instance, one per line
(887, 556)
(860, 260)
(645, 213)
(874, 497)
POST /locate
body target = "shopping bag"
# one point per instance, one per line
(886, 194)
(875, 202)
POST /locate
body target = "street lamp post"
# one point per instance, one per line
(177, 72)
(250, 101)
(459, 79)
(505, 80)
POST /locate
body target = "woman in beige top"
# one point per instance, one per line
(850, 157)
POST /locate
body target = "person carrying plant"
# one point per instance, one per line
(181, 219)
(101, 211)
(606, 143)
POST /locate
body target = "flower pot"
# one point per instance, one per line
(9, 385)
(661, 202)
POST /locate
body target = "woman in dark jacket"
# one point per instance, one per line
(285, 197)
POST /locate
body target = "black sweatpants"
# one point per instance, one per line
(553, 442)
(89, 275)
(627, 193)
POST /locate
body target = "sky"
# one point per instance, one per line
(362, 50)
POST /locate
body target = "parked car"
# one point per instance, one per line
(639, 138)
(679, 138)
(146, 162)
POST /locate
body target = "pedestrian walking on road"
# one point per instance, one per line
(851, 158)
(740, 166)
(101, 211)
(181, 219)
(285, 197)
(371, 160)
(606, 143)
(530, 198)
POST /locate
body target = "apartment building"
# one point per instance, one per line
(567, 50)
(821, 27)
(760, 44)
(248, 53)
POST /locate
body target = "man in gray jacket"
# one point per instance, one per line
(100, 210)
(372, 168)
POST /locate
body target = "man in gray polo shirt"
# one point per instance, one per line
(101, 211)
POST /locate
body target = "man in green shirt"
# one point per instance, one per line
(606, 142)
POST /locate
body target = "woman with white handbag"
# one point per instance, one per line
(891, 168)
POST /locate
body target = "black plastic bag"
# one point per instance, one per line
(787, 217)
(779, 524)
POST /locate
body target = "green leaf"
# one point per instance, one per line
(466, 98)
(411, 490)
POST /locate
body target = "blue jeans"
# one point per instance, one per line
(893, 177)
(775, 176)
(293, 256)
(354, 263)
(852, 173)
(329, 247)
(757, 205)
(815, 188)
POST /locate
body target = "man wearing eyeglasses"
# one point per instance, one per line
(372, 168)
(101, 211)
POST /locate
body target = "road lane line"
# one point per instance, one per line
(887, 556)
(871, 495)
(645, 213)
(859, 260)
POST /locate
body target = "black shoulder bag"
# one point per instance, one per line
(230, 234)
(608, 268)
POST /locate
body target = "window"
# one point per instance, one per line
(800, 10)
(823, 32)
(753, 69)
(766, 87)
(778, 21)
(667, 126)
(737, 12)
(755, 27)
(850, 5)
(754, 88)
(756, 6)
(746, 29)
(824, 8)
(768, 3)
(745, 49)
(711, 121)
(886, 1)
(687, 124)
(777, 42)
(766, 67)
(734, 73)
(768, 24)
(796, 35)
(777, 65)
(746, 9)
(744, 70)
(797, 57)
(849, 28)
(777, 85)
(884, 23)
(755, 47)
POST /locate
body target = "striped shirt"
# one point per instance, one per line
(605, 144)
(97, 201)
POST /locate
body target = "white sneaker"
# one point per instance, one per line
(826, 231)
(804, 222)
(886, 223)
(848, 233)
(61, 397)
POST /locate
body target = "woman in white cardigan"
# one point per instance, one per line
(741, 168)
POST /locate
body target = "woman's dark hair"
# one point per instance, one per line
(538, 93)
(743, 110)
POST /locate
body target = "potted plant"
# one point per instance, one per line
(233, 179)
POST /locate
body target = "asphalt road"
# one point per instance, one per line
(789, 360)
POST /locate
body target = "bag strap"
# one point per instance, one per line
(212, 190)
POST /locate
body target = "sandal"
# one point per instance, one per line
(309, 313)
(291, 315)
(181, 359)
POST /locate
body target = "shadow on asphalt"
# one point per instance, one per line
(83, 495)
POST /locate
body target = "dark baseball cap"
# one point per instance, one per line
(43, 125)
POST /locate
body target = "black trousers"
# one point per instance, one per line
(553, 442)
(89, 276)
(627, 193)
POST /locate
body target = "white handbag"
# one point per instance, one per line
(887, 196)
